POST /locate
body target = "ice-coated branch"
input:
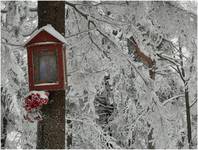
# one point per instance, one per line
(171, 60)
(87, 17)
(172, 99)
(178, 7)
(80, 12)
(97, 129)
(96, 43)
(29, 34)
(171, 43)
(76, 34)
(193, 102)
(12, 44)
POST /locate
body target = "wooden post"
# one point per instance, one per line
(51, 131)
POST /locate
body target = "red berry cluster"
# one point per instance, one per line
(34, 101)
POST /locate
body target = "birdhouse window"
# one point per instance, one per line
(45, 66)
(46, 60)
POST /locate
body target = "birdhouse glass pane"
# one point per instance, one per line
(45, 66)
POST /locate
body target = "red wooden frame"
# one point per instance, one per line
(60, 63)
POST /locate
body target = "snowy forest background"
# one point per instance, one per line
(114, 101)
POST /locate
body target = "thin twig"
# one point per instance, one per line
(97, 44)
(12, 44)
(171, 99)
(193, 102)
(29, 34)
(79, 33)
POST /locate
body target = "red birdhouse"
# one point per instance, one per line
(46, 59)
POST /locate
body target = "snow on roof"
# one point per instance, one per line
(48, 28)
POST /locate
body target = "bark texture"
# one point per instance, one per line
(51, 131)
(52, 12)
(4, 117)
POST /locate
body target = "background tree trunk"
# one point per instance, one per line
(188, 116)
(183, 74)
(51, 131)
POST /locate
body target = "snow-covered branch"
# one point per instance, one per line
(172, 99)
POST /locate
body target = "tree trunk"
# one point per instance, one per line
(52, 12)
(51, 131)
(188, 116)
(4, 132)
(4, 121)
(188, 120)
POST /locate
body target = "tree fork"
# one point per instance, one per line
(51, 130)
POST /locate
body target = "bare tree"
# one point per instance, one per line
(178, 66)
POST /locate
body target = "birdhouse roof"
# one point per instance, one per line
(49, 29)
